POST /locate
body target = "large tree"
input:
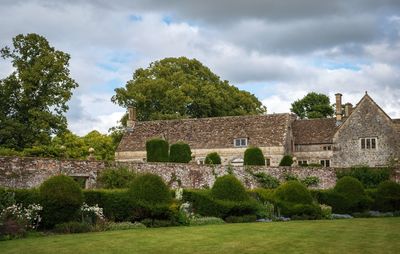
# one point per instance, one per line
(183, 88)
(313, 105)
(34, 96)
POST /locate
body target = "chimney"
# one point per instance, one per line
(348, 108)
(131, 117)
(338, 107)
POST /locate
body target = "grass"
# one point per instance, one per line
(374, 235)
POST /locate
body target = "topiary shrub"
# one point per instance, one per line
(294, 192)
(387, 197)
(213, 158)
(348, 196)
(157, 150)
(287, 161)
(253, 156)
(115, 178)
(61, 198)
(149, 189)
(228, 187)
(180, 153)
(369, 177)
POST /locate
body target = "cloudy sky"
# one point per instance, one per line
(277, 50)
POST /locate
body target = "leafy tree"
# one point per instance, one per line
(313, 105)
(34, 96)
(103, 145)
(181, 88)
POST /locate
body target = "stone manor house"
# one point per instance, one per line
(360, 135)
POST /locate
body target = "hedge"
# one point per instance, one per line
(157, 150)
(369, 177)
(287, 160)
(387, 197)
(213, 158)
(115, 178)
(228, 187)
(253, 156)
(180, 153)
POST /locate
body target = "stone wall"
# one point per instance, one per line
(31, 172)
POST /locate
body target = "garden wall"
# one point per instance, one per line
(16, 172)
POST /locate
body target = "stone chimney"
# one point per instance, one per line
(131, 117)
(348, 108)
(338, 107)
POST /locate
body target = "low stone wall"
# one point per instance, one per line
(18, 172)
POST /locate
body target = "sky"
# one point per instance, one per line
(277, 50)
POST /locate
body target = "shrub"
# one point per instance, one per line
(157, 150)
(293, 192)
(157, 223)
(388, 196)
(266, 180)
(180, 153)
(149, 189)
(124, 225)
(7, 198)
(348, 196)
(241, 219)
(263, 195)
(206, 221)
(369, 177)
(228, 187)
(115, 178)
(72, 227)
(290, 177)
(61, 198)
(326, 211)
(253, 156)
(213, 158)
(287, 160)
(310, 181)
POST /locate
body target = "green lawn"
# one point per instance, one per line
(323, 236)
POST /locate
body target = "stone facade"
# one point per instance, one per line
(31, 172)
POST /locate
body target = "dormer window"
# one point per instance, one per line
(240, 142)
(368, 143)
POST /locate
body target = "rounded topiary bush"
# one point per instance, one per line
(213, 158)
(228, 187)
(294, 192)
(349, 196)
(149, 189)
(253, 156)
(287, 161)
(388, 196)
(180, 152)
(157, 150)
(61, 198)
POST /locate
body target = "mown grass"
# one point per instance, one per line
(339, 236)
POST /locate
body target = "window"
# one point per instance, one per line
(302, 163)
(240, 142)
(326, 163)
(268, 162)
(327, 148)
(368, 143)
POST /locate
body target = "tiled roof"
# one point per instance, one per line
(314, 131)
(209, 133)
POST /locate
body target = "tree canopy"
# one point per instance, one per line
(183, 88)
(313, 105)
(34, 96)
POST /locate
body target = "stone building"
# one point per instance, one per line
(364, 134)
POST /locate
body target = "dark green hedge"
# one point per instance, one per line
(213, 158)
(287, 160)
(387, 197)
(157, 150)
(149, 189)
(180, 153)
(228, 187)
(253, 156)
(369, 177)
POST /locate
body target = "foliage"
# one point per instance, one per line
(253, 156)
(290, 177)
(149, 189)
(286, 160)
(213, 158)
(113, 178)
(310, 181)
(124, 225)
(265, 180)
(61, 198)
(326, 211)
(183, 88)
(313, 105)
(369, 177)
(26, 197)
(157, 150)
(72, 227)
(294, 192)
(33, 98)
(263, 195)
(228, 187)
(157, 223)
(104, 146)
(7, 198)
(180, 153)
(197, 221)
(241, 219)
(91, 214)
(388, 196)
